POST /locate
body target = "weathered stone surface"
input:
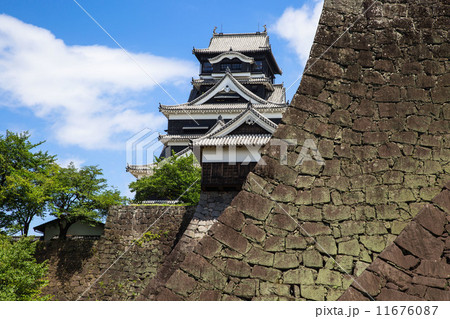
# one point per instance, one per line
(237, 268)
(430, 282)
(351, 227)
(352, 294)
(285, 261)
(326, 244)
(381, 123)
(268, 289)
(396, 256)
(388, 272)
(265, 273)
(201, 269)
(181, 283)
(283, 221)
(394, 295)
(254, 232)
(336, 213)
(208, 247)
(295, 242)
(320, 195)
(420, 242)
(312, 258)
(443, 200)
(167, 295)
(228, 236)
(246, 288)
(314, 229)
(434, 294)
(302, 275)
(209, 295)
(350, 247)
(313, 292)
(432, 219)
(434, 268)
(374, 243)
(275, 243)
(233, 218)
(253, 205)
(259, 257)
(329, 278)
(309, 213)
(283, 193)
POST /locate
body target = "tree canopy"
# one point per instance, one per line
(25, 177)
(32, 185)
(81, 195)
(21, 277)
(176, 177)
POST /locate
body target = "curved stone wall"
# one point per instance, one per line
(375, 100)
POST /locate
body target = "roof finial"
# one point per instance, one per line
(249, 105)
(214, 31)
(265, 28)
(220, 118)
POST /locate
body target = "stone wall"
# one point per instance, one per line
(209, 208)
(417, 265)
(375, 100)
(121, 264)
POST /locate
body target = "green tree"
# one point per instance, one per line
(21, 277)
(81, 195)
(26, 196)
(176, 177)
(23, 181)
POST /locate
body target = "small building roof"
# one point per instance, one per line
(41, 228)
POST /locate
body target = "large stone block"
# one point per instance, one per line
(229, 237)
(181, 283)
(257, 256)
(266, 273)
(374, 243)
(420, 242)
(326, 244)
(285, 261)
(253, 205)
(329, 278)
(312, 258)
(237, 268)
(302, 276)
(313, 292)
(275, 243)
(350, 248)
(254, 232)
(336, 213)
(233, 218)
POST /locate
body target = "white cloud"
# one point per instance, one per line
(89, 93)
(75, 160)
(298, 27)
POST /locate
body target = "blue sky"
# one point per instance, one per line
(66, 82)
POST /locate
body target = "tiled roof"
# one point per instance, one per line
(178, 137)
(237, 119)
(238, 42)
(234, 140)
(225, 107)
(278, 95)
(229, 75)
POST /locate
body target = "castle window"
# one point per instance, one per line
(231, 66)
(207, 67)
(258, 66)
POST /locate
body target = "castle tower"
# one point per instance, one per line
(233, 109)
